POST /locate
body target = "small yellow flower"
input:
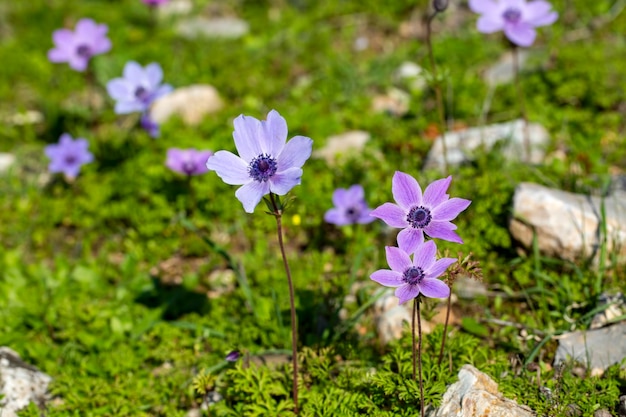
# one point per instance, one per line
(296, 220)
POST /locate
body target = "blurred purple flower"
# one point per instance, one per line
(265, 163)
(416, 276)
(68, 155)
(155, 2)
(417, 214)
(149, 125)
(187, 161)
(76, 48)
(350, 207)
(517, 18)
(233, 356)
(139, 87)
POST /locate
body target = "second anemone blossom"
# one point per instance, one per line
(517, 18)
(416, 213)
(416, 276)
(267, 163)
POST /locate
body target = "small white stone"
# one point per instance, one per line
(345, 144)
(218, 27)
(191, 103)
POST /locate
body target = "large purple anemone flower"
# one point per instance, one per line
(77, 47)
(414, 276)
(416, 214)
(266, 162)
(517, 18)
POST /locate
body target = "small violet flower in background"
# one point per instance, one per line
(68, 155)
(233, 356)
(155, 2)
(138, 88)
(417, 214)
(266, 162)
(517, 18)
(416, 276)
(76, 48)
(187, 161)
(350, 207)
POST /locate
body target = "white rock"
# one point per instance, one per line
(476, 394)
(20, 383)
(345, 144)
(175, 7)
(217, 27)
(190, 103)
(6, 161)
(463, 144)
(567, 225)
(503, 71)
(413, 73)
(395, 102)
(596, 349)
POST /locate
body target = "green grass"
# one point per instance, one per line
(86, 268)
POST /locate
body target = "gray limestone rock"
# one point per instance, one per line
(6, 161)
(567, 225)
(343, 145)
(476, 394)
(20, 383)
(217, 27)
(597, 349)
(461, 146)
(191, 103)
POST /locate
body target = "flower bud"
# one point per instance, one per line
(440, 5)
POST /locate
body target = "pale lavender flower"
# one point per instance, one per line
(68, 155)
(155, 2)
(417, 214)
(350, 207)
(517, 18)
(149, 125)
(187, 161)
(138, 88)
(233, 356)
(76, 48)
(415, 276)
(266, 162)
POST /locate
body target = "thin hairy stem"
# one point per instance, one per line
(445, 328)
(413, 314)
(419, 355)
(521, 99)
(438, 95)
(292, 302)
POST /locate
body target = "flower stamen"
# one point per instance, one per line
(413, 275)
(419, 217)
(262, 168)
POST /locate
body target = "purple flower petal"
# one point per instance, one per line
(522, 34)
(355, 193)
(435, 193)
(250, 194)
(391, 214)
(336, 216)
(486, 24)
(78, 63)
(284, 181)
(126, 107)
(397, 259)
(387, 278)
(482, 6)
(340, 197)
(295, 153)
(409, 239)
(439, 267)
(443, 230)
(406, 190)
(229, 167)
(425, 255)
(276, 133)
(448, 210)
(434, 288)
(247, 137)
(118, 89)
(154, 74)
(406, 293)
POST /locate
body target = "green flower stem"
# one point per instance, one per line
(445, 328)
(416, 312)
(521, 99)
(294, 324)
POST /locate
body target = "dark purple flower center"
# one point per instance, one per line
(413, 275)
(84, 51)
(142, 94)
(262, 167)
(70, 159)
(353, 214)
(419, 217)
(189, 167)
(512, 15)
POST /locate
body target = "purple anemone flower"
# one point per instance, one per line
(417, 214)
(68, 155)
(350, 207)
(517, 18)
(187, 161)
(138, 88)
(266, 162)
(76, 48)
(155, 2)
(416, 276)
(233, 356)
